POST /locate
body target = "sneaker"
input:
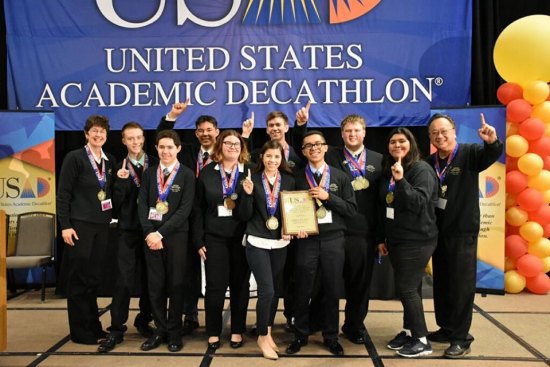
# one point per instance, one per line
(399, 341)
(415, 348)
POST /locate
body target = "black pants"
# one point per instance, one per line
(358, 267)
(131, 264)
(165, 275)
(289, 281)
(83, 266)
(192, 284)
(409, 260)
(267, 266)
(225, 266)
(326, 257)
(454, 268)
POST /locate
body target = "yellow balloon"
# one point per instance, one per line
(514, 282)
(522, 50)
(542, 111)
(531, 164)
(511, 200)
(540, 182)
(546, 264)
(512, 128)
(509, 264)
(546, 197)
(516, 216)
(540, 248)
(531, 231)
(516, 146)
(535, 91)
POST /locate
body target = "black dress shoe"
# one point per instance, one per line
(456, 351)
(334, 347)
(188, 326)
(109, 343)
(296, 345)
(439, 336)
(235, 345)
(214, 345)
(356, 337)
(145, 330)
(152, 343)
(175, 346)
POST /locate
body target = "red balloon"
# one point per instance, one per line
(518, 110)
(515, 246)
(540, 146)
(546, 161)
(530, 199)
(529, 265)
(538, 284)
(511, 163)
(507, 92)
(532, 128)
(510, 230)
(516, 182)
(541, 215)
(546, 229)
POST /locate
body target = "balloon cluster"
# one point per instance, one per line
(522, 58)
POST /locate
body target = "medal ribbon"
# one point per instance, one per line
(200, 165)
(357, 167)
(442, 173)
(100, 175)
(272, 196)
(164, 187)
(133, 174)
(228, 187)
(391, 185)
(325, 178)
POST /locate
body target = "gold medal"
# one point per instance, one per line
(101, 195)
(355, 185)
(272, 223)
(389, 198)
(229, 203)
(162, 207)
(364, 183)
(321, 212)
(443, 190)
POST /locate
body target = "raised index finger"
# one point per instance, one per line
(399, 159)
(249, 177)
(308, 105)
(252, 118)
(124, 164)
(482, 118)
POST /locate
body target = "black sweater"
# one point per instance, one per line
(125, 197)
(180, 201)
(461, 214)
(209, 197)
(78, 188)
(341, 201)
(414, 200)
(253, 208)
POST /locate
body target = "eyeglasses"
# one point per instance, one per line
(443, 132)
(97, 131)
(317, 145)
(232, 145)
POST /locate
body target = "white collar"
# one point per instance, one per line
(240, 165)
(320, 169)
(170, 167)
(102, 156)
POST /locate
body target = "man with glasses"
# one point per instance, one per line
(321, 255)
(455, 258)
(196, 158)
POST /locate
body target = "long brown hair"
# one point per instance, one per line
(273, 144)
(217, 153)
(412, 156)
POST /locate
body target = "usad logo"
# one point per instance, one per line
(19, 188)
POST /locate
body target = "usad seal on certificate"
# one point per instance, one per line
(298, 213)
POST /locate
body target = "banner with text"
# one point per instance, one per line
(387, 60)
(492, 195)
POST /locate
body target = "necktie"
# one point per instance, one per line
(166, 172)
(205, 156)
(317, 177)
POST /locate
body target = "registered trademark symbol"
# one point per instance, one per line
(438, 81)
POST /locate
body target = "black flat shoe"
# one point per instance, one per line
(152, 343)
(175, 347)
(109, 343)
(235, 345)
(214, 345)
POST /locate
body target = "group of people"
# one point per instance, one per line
(220, 203)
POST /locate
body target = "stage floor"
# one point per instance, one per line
(510, 330)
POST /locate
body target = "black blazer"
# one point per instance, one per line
(180, 201)
(253, 208)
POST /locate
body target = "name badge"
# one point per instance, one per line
(224, 212)
(441, 203)
(390, 213)
(106, 205)
(326, 219)
(154, 215)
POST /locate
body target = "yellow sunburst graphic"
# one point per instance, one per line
(281, 12)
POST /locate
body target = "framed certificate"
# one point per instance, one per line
(298, 213)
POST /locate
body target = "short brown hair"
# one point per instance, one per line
(170, 134)
(96, 120)
(131, 125)
(274, 114)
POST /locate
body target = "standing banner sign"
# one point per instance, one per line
(492, 195)
(388, 60)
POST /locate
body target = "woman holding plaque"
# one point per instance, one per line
(84, 211)
(266, 246)
(408, 192)
(218, 235)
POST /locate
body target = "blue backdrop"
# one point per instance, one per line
(388, 60)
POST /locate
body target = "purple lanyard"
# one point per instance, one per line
(442, 173)
(325, 178)
(357, 167)
(228, 187)
(100, 175)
